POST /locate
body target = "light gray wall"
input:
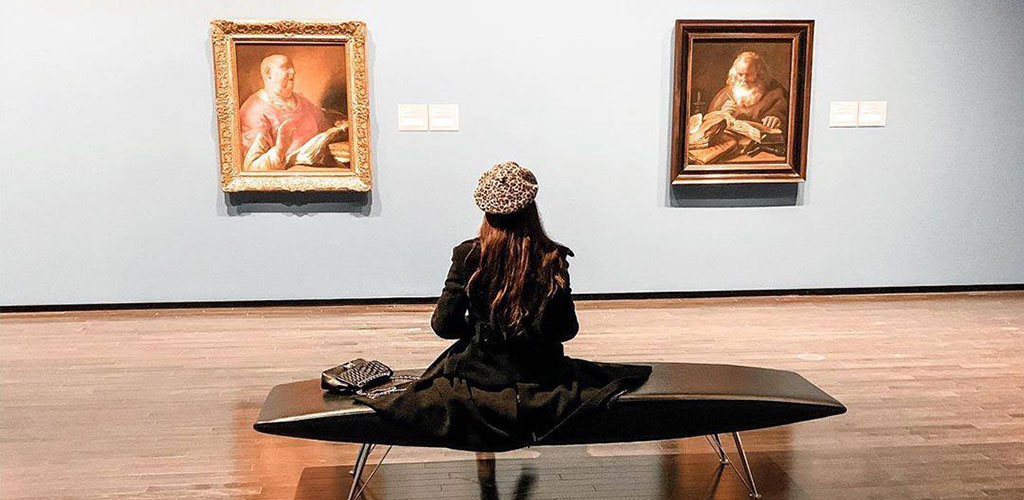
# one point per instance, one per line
(110, 192)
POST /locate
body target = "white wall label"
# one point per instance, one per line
(444, 117)
(872, 113)
(412, 117)
(842, 114)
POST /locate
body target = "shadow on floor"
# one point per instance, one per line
(564, 476)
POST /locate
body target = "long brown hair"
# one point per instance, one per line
(519, 267)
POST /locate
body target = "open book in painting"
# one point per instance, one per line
(713, 136)
(716, 148)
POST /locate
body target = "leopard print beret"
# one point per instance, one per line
(505, 188)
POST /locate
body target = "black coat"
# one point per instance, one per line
(487, 394)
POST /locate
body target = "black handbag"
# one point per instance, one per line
(355, 375)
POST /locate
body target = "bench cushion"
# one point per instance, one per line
(679, 400)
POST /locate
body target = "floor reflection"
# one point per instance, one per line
(561, 472)
(487, 478)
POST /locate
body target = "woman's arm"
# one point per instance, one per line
(449, 318)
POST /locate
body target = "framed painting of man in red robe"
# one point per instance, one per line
(741, 101)
(292, 106)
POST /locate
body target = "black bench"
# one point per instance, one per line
(679, 400)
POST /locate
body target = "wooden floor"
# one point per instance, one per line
(160, 403)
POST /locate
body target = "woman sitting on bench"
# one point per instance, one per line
(506, 382)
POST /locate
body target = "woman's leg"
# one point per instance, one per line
(485, 475)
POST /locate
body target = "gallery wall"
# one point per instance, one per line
(109, 188)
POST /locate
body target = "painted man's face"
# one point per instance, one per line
(745, 73)
(280, 77)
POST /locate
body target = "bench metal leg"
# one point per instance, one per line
(357, 471)
(352, 471)
(716, 443)
(747, 476)
(749, 480)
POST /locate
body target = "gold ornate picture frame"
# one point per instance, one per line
(293, 108)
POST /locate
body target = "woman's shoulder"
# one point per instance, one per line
(466, 247)
(462, 251)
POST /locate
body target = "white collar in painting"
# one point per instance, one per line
(278, 101)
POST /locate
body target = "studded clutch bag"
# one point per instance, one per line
(354, 375)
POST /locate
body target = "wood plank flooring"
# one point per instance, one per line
(160, 403)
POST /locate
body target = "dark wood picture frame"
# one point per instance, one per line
(688, 169)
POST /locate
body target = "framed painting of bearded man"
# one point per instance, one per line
(293, 110)
(741, 101)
